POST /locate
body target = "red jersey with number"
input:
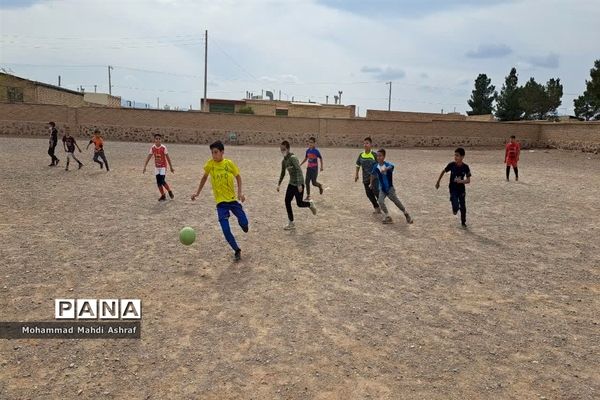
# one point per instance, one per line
(160, 155)
(513, 150)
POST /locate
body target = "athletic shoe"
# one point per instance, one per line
(245, 228)
(307, 198)
(464, 224)
(80, 165)
(56, 162)
(321, 189)
(388, 220)
(238, 255)
(377, 211)
(409, 220)
(313, 208)
(290, 226)
(162, 198)
(52, 164)
(171, 195)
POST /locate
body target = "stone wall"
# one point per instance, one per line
(202, 128)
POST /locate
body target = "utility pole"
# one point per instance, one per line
(59, 81)
(109, 81)
(204, 104)
(95, 87)
(389, 96)
(158, 103)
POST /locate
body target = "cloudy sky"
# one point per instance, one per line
(431, 50)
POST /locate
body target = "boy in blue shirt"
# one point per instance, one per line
(312, 168)
(382, 171)
(460, 175)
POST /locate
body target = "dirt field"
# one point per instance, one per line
(343, 308)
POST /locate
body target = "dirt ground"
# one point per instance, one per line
(343, 308)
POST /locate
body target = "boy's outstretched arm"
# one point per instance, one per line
(146, 162)
(437, 184)
(202, 183)
(321, 158)
(303, 161)
(241, 196)
(281, 175)
(88, 146)
(170, 164)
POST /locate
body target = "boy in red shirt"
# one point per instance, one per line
(161, 157)
(511, 157)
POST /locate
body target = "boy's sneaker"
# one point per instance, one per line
(464, 224)
(245, 228)
(290, 226)
(388, 220)
(409, 220)
(162, 198)
(56, 162)
(313, 208)
(51, 164)
(238, 255)
(171, 195)
(80, 165)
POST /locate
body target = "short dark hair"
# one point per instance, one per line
(157, 135)
(52, 124)
(382, 151)
(96, 130)
(286, 144)
(312, 139)
(217, 145)
(513, 137)
(460, 151)
(368, 139)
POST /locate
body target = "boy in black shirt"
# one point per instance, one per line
(460, 175)
(69, 145)
(52, 142)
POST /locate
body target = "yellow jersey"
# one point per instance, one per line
(221, 178)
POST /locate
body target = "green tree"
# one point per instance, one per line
(588, 105)
(507, 107)
(554, 93)
(482, 97)
(532, 100)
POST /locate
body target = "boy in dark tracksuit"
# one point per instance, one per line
(366, 160)
(53, 141)
(460, 175)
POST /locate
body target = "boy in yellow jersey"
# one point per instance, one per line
(222, 173)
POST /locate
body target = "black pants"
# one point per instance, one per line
(290, 193)
(508, 171)
(372, 194)
(100, 154)
(51, 153)
(458, 200)
(311, 177)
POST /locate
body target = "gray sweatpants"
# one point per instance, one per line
(393, 197)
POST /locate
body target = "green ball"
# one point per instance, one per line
(187, 235)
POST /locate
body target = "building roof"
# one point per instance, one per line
(47, 85)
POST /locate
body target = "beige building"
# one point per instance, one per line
(103, 99)
(282, 108)
(14, 89)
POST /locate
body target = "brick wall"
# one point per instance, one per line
(197, 127)
(412, 116)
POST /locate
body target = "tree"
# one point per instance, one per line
(588, 104)
(482, 96)
(554, 92)
(507, 107)
(532, 100)
(246, 110)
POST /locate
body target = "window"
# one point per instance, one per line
(221, 108)
(14, 94)
(282, 112)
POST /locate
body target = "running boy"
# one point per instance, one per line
(366, 160)
(69, 145)
(161, 157)
(295, 186)
(98, 149)
(52, 142)
(382, 171)
(460, 175)
(511, 157)
(222, 171)
(313, 155)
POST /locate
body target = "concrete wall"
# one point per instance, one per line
(197, 127)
